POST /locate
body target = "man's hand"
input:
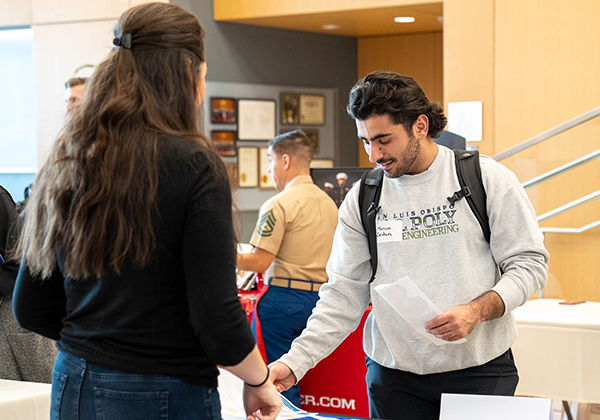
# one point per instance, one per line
(458, 322)
(282, 376)
(455, 323)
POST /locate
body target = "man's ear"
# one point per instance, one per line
(287, 161)
(421, 127)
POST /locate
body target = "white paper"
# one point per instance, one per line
(414, 306)
(494, 407)
(466, 119)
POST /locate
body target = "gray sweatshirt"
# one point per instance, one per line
(443, 250)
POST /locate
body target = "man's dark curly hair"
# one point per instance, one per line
(396, 95)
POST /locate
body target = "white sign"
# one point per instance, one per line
(466, 119)
(494, 407)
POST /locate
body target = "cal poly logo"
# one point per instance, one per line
(267, 224)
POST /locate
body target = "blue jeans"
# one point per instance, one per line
(83, 391)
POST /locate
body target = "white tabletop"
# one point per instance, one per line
(557, 350)
(24, 400)
(550, 312)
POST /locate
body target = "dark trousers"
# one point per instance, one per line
(399, 395)
(283, 313)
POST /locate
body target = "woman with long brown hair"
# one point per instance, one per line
(128, 253)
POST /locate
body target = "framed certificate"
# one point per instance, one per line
(312, 109)
(256, 119)
(265, 180)
(248, 167)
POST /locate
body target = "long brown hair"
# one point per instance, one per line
(94, 199)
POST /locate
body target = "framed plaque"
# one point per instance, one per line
(289, 104)
(224, 142)
(248, 167)
(256, 119)
(312, 109)
(222, 111)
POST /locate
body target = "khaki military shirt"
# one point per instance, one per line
(297, 225)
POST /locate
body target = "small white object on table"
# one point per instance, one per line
(24, 400)
(557, 350)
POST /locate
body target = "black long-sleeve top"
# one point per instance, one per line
(180, 315)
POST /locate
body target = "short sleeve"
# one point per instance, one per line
(270, 227)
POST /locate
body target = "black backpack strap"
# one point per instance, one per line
(368, 200)
(471, 187)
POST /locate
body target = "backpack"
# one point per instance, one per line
(468, 172)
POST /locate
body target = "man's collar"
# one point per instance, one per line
(300, 179)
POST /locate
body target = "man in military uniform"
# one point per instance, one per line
(341, 190)
(291, 244)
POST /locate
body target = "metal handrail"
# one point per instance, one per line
(568, 206)
(548, 134)
(561, 169)
(571, 230)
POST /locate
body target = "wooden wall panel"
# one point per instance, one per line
(416, 55)
(469, 72)
(547, 73)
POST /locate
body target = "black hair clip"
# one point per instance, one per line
(123, 41)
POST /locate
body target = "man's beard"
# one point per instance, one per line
(407, 159)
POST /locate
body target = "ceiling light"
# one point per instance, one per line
(330, 27)
(404, 19)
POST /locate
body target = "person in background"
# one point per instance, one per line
(328, 188)
(291, 243)
(128, 250)
(24, 356)
(339, 192)
(74, 92)
(437, 244)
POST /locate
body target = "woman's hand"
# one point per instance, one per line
(263, 402)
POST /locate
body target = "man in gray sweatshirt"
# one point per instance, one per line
(440, 246)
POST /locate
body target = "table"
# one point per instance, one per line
(24, 400)
(557, 350)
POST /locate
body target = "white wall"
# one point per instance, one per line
(66, 35)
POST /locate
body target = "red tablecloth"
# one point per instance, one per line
(337, 384)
